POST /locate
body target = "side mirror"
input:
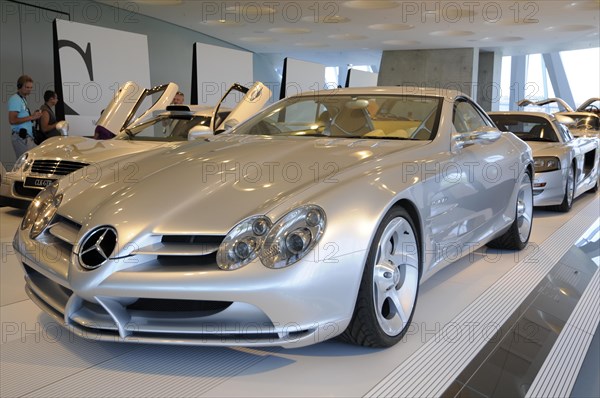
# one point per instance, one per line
(484, 135)
(63, 127)
(199, 132)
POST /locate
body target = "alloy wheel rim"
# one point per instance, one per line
(524, 208)
(395, 276)
(570, 186)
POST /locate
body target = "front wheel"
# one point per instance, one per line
(518, 234)
(567, 202)
(388, 291)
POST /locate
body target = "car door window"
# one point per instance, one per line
(466, 117)
(563, 131)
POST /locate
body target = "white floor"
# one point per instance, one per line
(40, 358)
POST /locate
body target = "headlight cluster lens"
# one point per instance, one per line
(27, 165)
(41, 211)
(293, 236)
(546, 163)
(279, 245)
(241, 244)
(22, 160)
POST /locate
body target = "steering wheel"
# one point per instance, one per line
(265, 128)
(583, 124)
(592, 108)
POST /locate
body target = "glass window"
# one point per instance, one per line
(166, 127)
(527, 127)
(505, 84)
(466, 117)
(343, 116)
(563, 131)
(581, 68)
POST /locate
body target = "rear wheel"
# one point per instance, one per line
(518, 234)
(594, 189)
(388, 291)
(567, 202)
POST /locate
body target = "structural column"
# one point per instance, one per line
(558, 77)
(447, 68)
(488, 80)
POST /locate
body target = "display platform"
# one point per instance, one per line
(495, 323)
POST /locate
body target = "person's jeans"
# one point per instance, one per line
(21, 145)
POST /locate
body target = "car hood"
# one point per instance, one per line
(88, 150)
(209, 186)
(546, 148)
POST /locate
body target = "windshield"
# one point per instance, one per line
(527, 128)
(584, 122)
(344, 116)
(165, 127)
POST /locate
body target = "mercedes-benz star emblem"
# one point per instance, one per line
(97, 246)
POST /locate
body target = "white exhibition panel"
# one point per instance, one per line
(93, 63)
(359, 78)
(302, 76)
(217, 68)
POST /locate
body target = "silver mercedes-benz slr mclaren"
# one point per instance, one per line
(318, 217)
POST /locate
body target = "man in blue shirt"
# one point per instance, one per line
(20, 118)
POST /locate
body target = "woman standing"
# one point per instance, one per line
(48, 120)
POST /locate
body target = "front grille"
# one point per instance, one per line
(184, 250)
(56, 167)
(171, 306)
(25, 191)
(189, 251)
(65, 230)
(193, 239)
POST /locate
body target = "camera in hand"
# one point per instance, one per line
(23, 133)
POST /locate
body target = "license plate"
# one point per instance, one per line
(39, 183)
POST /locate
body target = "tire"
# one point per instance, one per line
(567, 202)
(594, 189)
(390, 283)
(517, 236)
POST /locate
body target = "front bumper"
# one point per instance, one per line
(141, 300)
(14, 193)
(548, 188)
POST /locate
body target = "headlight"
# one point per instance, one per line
(20, 162)
(546, 163)
(27, 165)
(241, 244)
(293, 236)
(41, 211)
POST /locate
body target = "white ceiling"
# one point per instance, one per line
(336, 32)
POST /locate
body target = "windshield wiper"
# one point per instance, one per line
(380, 137)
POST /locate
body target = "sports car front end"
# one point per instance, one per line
(317, 217)
(548, 181)
(204, 269)
(30, 175)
